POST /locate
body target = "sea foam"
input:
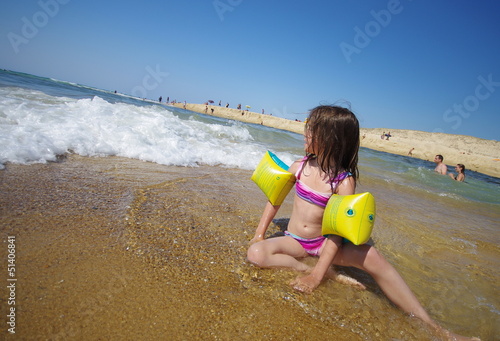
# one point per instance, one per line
(36, 127)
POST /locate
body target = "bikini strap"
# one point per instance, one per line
(299, 170)
(341, 177)
(338, 179)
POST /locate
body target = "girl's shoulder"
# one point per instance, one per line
(294, 167)
(347, 186)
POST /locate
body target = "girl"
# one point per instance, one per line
(330, 167)
(460, 169)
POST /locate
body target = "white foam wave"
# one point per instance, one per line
(35, 127)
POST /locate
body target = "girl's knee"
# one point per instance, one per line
(256, 255)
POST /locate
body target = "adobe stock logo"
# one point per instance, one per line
(40, 19)
(363, 38)
(458, 111)
(223, 6)
(151, 80)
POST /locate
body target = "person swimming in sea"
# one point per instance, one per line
(460, 169)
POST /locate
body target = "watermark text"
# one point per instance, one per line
(152, 79)
(485, 87)
(223, 6)
(364, 36)
(31, 26)
(11, 284)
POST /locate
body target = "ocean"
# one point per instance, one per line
(441, 235)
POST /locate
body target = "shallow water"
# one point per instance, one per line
(452, 272)
(190, 227)
(111, 248)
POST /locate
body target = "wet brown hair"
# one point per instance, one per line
(334, 134)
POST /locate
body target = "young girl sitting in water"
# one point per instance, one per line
(330, 167)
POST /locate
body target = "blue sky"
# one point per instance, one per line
(408, 64)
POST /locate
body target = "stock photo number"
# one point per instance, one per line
(11, 284)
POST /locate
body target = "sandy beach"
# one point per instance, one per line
(476, 154)
(113, 248)
(121, 249)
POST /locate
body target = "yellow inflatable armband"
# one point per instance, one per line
(273, 178)
(350, 216)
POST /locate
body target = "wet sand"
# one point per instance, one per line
(120, 249)
(476, 154)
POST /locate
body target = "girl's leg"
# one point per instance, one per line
(279, 252)
(367, 258)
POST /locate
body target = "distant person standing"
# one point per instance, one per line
(441, 168)
(159, 99)
(460, 169)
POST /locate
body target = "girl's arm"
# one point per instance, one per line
(269, 213)
(267, 217)
(311, 281)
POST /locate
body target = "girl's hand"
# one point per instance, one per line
(305, 284)
(256, 239)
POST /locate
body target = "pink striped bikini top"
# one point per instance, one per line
(310, 195)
